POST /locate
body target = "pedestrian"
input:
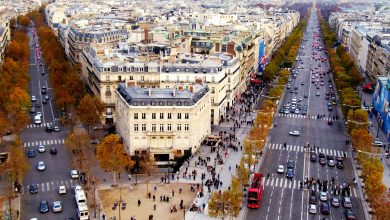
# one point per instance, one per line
(155, 188)
(154, 207)
(154, 198)
(139, 202)
(173, 193)
(104, 216)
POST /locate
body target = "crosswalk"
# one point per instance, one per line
(44, 142)
(305, 116)
(52, 186)
(292, 184)
(37, 126)
(297, 148)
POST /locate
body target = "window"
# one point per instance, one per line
(135, 115)
(142, 78)
(154, 127)
(143, 115)
(186, 127)
(161, 127)
(179, 127)
(169, 128)
(131, 78)
(169, 115)
(153, 115)
(186, 115)
(119, 78)
(135, 127)
(143, 127)
(107, 78)
(161, 115)
(178, 115)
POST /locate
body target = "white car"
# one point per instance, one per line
(294, 133)
(62, 190)
(39, 114)
(57, 207)
(281, 169)
(312, 209)
(41, 149)
(33, 98)
(41, 166)
(74, 174)
(377, 143)
(323, 196)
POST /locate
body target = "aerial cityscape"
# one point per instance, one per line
(194, 110)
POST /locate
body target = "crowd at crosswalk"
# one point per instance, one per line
(297, 148)
(306, 117)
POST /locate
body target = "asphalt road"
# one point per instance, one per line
(57, 166)
(282, 198)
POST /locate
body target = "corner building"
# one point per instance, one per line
(162, 122)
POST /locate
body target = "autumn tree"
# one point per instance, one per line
(17, 165)
(112, 156)
(5, 125)
(361, 139)
(17, 107)
(79, 143)
(90, 110)
(24, 20)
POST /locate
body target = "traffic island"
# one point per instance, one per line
(159, 201)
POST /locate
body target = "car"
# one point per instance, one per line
(313, 198)
(61, 190)
(347, 202)
(41, 149)
(318, 93)
(302, 83)
(57, 128)
(296, 111)
(288, 86)
(286, 110)
(313, 157)
(335, 202)
(41, 166)
(74, 174)
(33, 98)
(291, 91)
(281, 110)
(49, 128)
(340, 165)
(329, 157)
(57, 206)
(31, 153)
(296, 91)
(323, 196)
(330, 122)
(294, 133)
(32, 110)
(290, 164)
(377, 144)
(321, 155)
(338, 158)
(43, 90)
(38, 114)
(325, 209)
(349, 215)
(46, 97)
(38, 104)
(312, 209)
(43, 206)
(44, 101)
(53, 150)
(331, 163)
(33, 188)
(330, 108)
(290, 173)
(280, 169)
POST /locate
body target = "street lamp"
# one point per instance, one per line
(94, 197)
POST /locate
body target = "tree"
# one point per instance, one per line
(79, 143)
(5, 125)
(112, 156)
(361, 139)
(148, 167)
(90, 110)
(17, 166)
(24, 20)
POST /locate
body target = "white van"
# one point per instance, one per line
(37, 119)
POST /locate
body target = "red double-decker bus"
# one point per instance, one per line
(256, 191)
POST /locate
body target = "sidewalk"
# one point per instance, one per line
(224, 172)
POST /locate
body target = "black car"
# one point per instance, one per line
(340, 159)
(322, 161)
(34, 188)
(321, 155)
(44, 101)
(313, 198)
(290, 173)
(44, 90)
(31, 153)
(349, 215)
(329, 157)
(340, 165)
(313, 157)
(325, 209)
(38, 104)
(44, 206)
(53, 150)
(49, 128)
(281, 110)
(290, 164)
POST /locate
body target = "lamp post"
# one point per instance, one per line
(94, 197)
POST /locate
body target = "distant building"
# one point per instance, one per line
(5, 37)
(163, 123)
(378, 58)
